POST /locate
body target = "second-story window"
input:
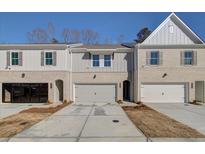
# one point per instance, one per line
(154, 58)
(49, 58)
(107, 60)
(15, 58)
(188, 58)
(96, 61)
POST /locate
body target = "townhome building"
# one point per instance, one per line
(32, 73)
(168, 66)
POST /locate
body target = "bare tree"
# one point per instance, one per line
(66, 35)
(51, 30)
(41, 35)
(89, 36)
(38, 35)
(120, 38)
(71, 35)
(107, 40)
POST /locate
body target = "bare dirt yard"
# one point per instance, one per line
(154, 124)
(14, 124)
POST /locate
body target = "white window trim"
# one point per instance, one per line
(92, 61)
(192, 59)
(45, 58)
(14, 51)
(101, 61)
(154, 58)
(110, 61)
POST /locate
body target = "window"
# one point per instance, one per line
(154, 58)
(49, 58)
(171, 29)
(107, 60)
(96, 60)
(188, 58)
(15, 58)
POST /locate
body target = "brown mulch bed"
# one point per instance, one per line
(155, 124)
(14, 124)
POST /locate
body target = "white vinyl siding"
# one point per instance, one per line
(31, 61)
(122, 62)
(164, 37)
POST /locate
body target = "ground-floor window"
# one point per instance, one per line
(25, 92)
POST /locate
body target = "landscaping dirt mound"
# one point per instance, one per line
(155, 124)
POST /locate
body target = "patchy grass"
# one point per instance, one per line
(14, 124)
(155, 124)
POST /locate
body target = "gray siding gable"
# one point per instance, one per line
(182, 34)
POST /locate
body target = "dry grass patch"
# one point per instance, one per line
(155, 124)
(14, 124)
(45, 110)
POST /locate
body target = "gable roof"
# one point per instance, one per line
(186, 29)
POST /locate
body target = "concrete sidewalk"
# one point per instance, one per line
(87, 123)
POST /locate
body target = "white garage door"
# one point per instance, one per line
(163, 93)
(95, 93)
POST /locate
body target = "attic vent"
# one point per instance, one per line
(171, 29)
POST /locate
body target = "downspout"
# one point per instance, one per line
(70, 72)
(71, 75)
(136, 67)
(138, 80)
(133, 74)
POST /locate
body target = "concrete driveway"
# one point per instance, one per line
(10, 109)
(191, 115)
(84, 122)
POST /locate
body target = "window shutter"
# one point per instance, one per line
(160, 58)
(20, 58)
(87, 55)
(148, 57)
(8, 57)
(195, 57)
(113, 56)
(182, 57)
(42, 58)
(54, 58)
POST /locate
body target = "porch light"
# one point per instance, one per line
(23, 75)
(51, 85)
(164, 75)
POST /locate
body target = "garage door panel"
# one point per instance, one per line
(95, 93)
(163, 93)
